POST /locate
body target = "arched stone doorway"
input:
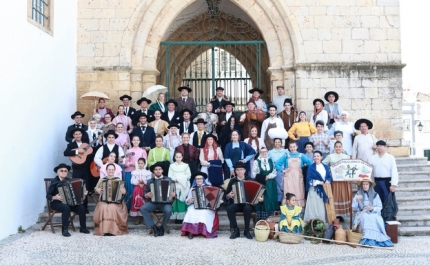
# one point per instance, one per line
(209, 47)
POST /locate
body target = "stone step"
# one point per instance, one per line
(412, 191)
(413, 167)
(411, 160)
(412, 182)
(414, 231)
(411, 210)
(414, 175)
(413, 200)
(414, 220)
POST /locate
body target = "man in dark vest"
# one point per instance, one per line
(109, 147)
(197, 138)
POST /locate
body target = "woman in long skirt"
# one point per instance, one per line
(110, 219)
(130, 165)
(180, 173)
(139, 178)
(265, 173)
(202, 221)
(318, 175)
(208, 153)
(341, 189)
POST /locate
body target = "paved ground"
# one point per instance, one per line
(43, 247)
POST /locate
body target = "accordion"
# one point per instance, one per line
(161, 189)
(207, 197)
(247, 191)
(72, 191)
(112, 191)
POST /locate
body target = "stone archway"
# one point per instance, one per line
(153, 20)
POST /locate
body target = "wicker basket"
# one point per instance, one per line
(261, 231)
(289, 238)
(353, 237)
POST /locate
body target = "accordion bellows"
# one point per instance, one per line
(161, 190)
(207, 197)
(247, 191)
(112, 191)
(72, 191)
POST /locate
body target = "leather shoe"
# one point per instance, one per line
(139, 220)
(190, 236)
(161, 231)
(235, 233)
(155, 229)
(84, 230)
(65, 232)
(247, 234)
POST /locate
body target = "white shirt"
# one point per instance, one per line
(320, 169)
(279, 124)
(99, 155)
(227, 116)
(79, 145)
(170, 115)
(384, 167)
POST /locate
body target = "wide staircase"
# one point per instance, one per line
(413, 198)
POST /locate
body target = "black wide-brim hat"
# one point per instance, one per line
(316, 100)
(381, 142)
(240, 165)
(172, 101)
(138, 115)
(360, 121)
(185, 87)
(143, 99)
(172, 124)
(158, 164)
(62, 165)
(110, 132)
(228, 103)
(199, 173)
(200, 120)
(125, 96)
(256, 89)
(336, 95)
(72, 131)
(211, 135)
(186, 110)
(76, 114)
(219, 88)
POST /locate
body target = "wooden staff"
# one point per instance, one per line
(348, 243)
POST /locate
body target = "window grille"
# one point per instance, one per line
(39, 10)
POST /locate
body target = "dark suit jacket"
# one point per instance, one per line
(149, 113)
(85, 138)
(189, 104)
(130, 113)
(175, 119)
(147, 138)
(217, 104)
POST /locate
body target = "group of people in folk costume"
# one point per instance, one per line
(219, 144)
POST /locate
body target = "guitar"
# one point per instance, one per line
(95, 169)
(79, 159)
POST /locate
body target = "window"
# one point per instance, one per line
(39, 13)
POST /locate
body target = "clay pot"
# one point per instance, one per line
(340, 235)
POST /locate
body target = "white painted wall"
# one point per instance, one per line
(37, 97)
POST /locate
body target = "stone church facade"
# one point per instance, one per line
(310, 47)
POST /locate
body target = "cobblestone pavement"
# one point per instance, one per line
(43, 247)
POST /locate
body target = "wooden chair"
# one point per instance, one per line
(51, 212)
(158, 216)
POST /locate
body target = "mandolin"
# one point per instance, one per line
(95, 169)
(79, 159)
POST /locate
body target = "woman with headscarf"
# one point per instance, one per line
(318, 175)
(368, 206)
(108, 124)
(172, 139)
(265, 173)
(124, 119)
(208, 154)
(225, 134)
(202, 221)
(320, 114)
(301, 131)
(347, 129)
